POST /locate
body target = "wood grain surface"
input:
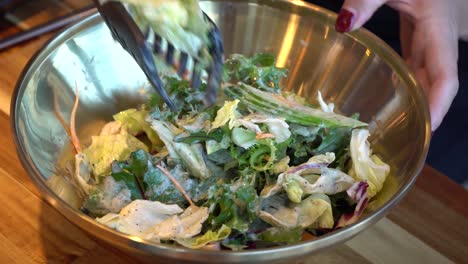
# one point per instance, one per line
(430, 225)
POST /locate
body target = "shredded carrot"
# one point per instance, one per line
(185, 74)
(264, 135)
(308, 236)
(74, 137)
(59, 117)
(289, 103)
(176, 183)
(176, 66)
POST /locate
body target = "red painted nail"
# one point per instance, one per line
(345, 21)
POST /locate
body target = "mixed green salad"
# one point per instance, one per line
(262, 167)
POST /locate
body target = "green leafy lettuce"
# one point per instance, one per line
(259, 167)
(109, 196)
(282, 235)
(313, 212)
(191, 155)
(107, 148)
(135, 122)
(259, 71)
(233, 208)
(209, 237)
(180, 22)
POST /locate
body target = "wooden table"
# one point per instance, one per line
(430, 225)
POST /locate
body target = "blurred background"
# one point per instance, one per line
(23, 19)
(21, 15)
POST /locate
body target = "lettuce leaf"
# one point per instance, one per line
(160, 187)
(157, 221)
(202, 136)
(325, 107)
(82, 175)
(310, 141)
(276, 126)
(109, 196)
(195, 123)
(259, 71)
(366, 166)
(209, 237)
(189, 104)
(331, 181)
(226, 114)
(243, 138)
(183, 226)
(180, 22)
(281, 166)
(139, 217)
(191, 155)
(107, 148)
(132, 171)
(315, 212)
(282, 235)
(135, 122)
(233, 208)
(213, 145)
(313, 165)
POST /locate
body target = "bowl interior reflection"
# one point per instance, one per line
(357, 72)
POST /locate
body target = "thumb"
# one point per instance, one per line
(354, 13)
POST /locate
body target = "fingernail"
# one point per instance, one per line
(345, 21)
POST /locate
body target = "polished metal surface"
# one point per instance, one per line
(357, 72)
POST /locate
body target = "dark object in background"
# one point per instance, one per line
(9, 4)
(23, 20)
(5, 6)
(45, 28)
(448, 152)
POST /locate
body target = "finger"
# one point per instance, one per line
(418, 47)
(406, 35)
(441, 62)
(441, 96)
(423, 79)
(439, 93)
(354, 13)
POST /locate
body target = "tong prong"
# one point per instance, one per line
(182, 67)
(215, 71)
(127, 32)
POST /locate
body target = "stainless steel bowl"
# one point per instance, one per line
(357, 71)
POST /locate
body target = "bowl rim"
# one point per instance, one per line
(89, 225)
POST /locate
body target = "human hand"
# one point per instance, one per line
(429, 40)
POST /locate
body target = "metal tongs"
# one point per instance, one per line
(126, 31)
